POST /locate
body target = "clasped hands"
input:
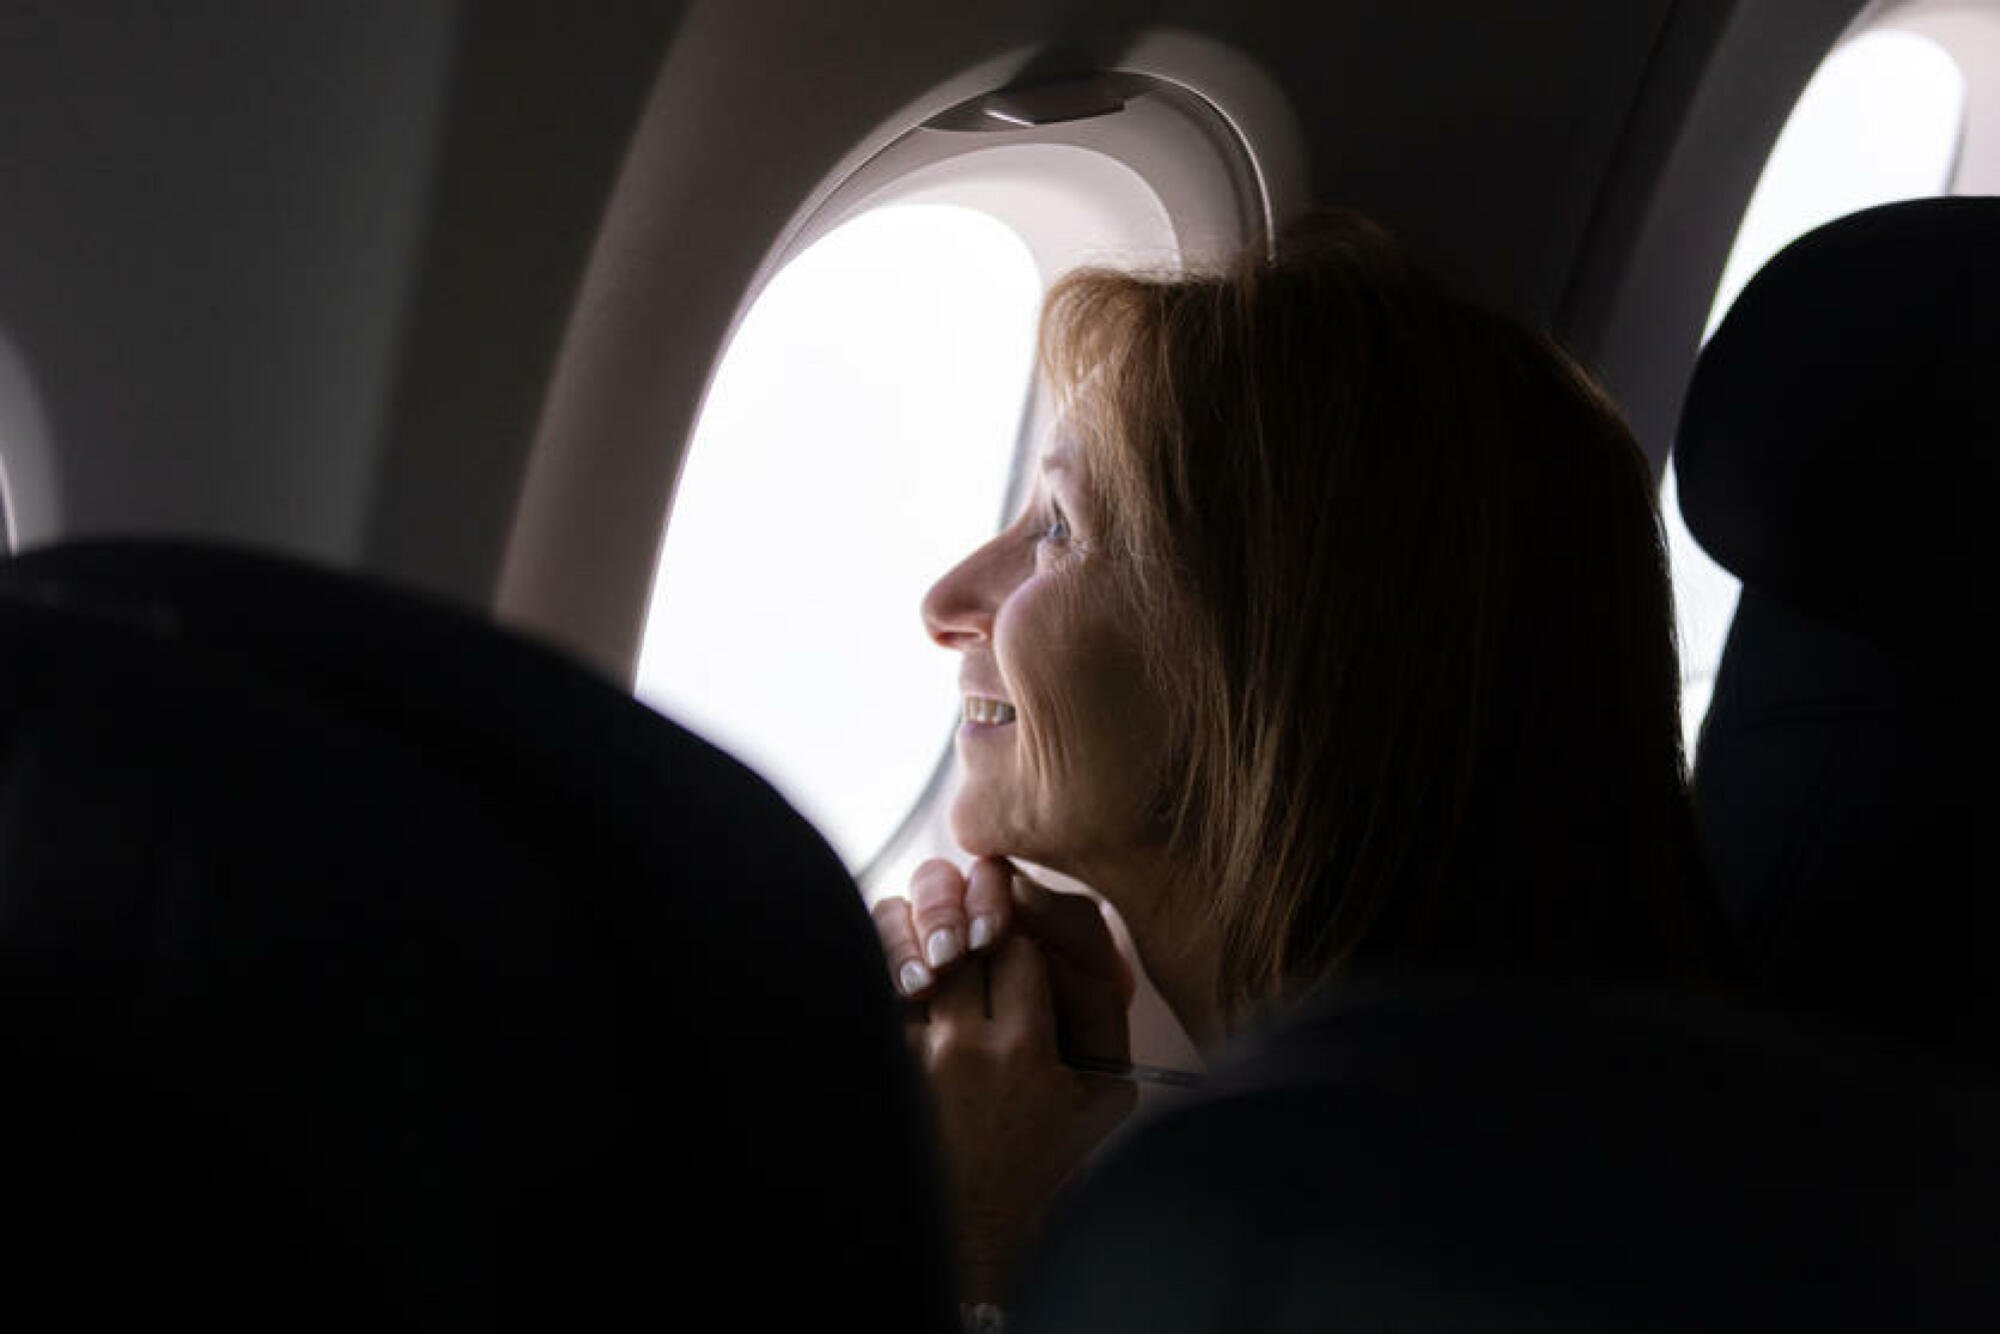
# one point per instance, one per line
(1004, 978)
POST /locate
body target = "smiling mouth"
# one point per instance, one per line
(987, 712)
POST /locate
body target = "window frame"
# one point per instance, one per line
(1158, 173)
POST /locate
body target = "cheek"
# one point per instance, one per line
(1041, 641)
(1079, 675)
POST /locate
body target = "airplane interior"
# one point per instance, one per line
(469, 470)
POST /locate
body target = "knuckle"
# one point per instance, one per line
(987, 905)
(947, 1053)
(988, 880)
(964, 1052)
(889, 913)
(938, 912)
(934, 878)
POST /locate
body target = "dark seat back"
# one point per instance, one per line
(1840, 453)
(358, 960)
(1479, 1156)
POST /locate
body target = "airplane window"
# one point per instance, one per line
(858, 438)
(1879, 121)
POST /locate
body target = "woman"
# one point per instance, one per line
(1335, 633)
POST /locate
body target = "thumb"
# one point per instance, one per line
(1072, 931)
(1090, 981)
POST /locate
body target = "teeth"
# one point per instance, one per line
(988, 711)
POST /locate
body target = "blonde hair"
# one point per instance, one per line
(1400, 572)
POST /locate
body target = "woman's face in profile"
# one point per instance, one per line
(1061, 733)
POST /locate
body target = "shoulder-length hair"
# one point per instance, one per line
(1401, 573)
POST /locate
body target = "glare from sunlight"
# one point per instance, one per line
(1880, 121)
(857, 440)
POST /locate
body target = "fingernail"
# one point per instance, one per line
(983, 927)
(913, 978)
(942, 947)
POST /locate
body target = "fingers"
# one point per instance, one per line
(961, 999)
(1013, 1121)
(989, 902)
(937, 908)
(1089, 978)
(1000, 1015)
(949, 916)
(958, 913)
(1018, 998)
(1072, 928)
(997, 1006)
(897, 931)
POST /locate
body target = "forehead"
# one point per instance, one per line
(1066, 443)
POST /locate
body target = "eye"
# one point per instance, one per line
(1056, 531)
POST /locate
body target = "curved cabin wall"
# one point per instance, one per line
(1722, 81)
(207, 237)
(294, 275)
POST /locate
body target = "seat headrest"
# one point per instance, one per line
(1840, 444)
(1416, 1154)
(358, 957)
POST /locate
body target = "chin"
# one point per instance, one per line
(981, 825)
(974, 828)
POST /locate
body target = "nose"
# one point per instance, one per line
(958, 610)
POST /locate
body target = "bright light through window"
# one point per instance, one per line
(1879, 122)
(857, 440)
